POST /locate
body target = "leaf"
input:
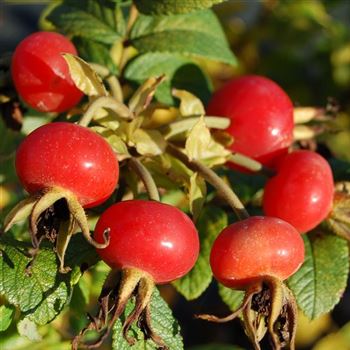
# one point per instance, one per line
(140, 100)
(201, 30)
(166, 7)
(201, 146)
(180, 72)
(149, 142)
(210, 223)
(84, 76)
(321, 280)
(232, 298)
(163, 324)
(197, 195)
(41, 294)
(6, 315)
(96, 52)
(190, 105)
(95, 20)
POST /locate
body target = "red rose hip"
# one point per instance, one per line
(41, 75)
(150, 236)
(261, 116)
(301, 192)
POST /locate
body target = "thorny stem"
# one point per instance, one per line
(209, 175)
(104, 102)
(146, 178)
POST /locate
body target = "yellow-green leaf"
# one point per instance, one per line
(148, 142)
(197, 194)
(190, 104)
(201, 146)
(84, 76)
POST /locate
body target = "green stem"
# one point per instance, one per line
(251, 164)
(146, 178)
(209, 175)
(104, 102)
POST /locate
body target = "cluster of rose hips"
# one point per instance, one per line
(154, 243)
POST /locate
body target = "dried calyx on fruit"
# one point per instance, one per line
(256, 255)
(65, 168)
(150, 243)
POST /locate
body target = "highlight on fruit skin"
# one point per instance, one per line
(150, 243)
(256, 255)
(64, 167)
(41, 75)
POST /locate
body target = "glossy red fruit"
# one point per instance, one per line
(302, 191)
(41, 75)
(261, 116)
(255, 248)
(150, 236)
(69, 156)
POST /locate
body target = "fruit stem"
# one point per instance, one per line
(145, 177)
(250, 164)
(209, 175)
(104, 102)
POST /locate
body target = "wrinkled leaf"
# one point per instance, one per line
(210, 223)
(201, 146)
(319, 283)
(41, 292)
(197, 195)
(6, 315)
(232, 298)
(96, 20)
(84, 76)
(165, 7)
(190, 105)
(163, 324)
(180, 72)
(202, 30)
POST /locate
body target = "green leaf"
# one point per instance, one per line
(232, 298)
(6, 315)
(201, 146)
(163, 324)
(42, 293)
(91, 19)
(196, 34)
(180, 72)
(84, 76)
(210, 223)
(166, 7)
(96, 52)
(321, 280)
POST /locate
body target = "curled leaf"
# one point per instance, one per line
(190, 104)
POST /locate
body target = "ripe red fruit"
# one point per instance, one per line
(302, 191)
(71, 157)
(261, 116)
(150, 242)
(248, 251)
(156, 238)
(41, 75)
(256, 255)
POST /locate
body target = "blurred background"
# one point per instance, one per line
(304, 45)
